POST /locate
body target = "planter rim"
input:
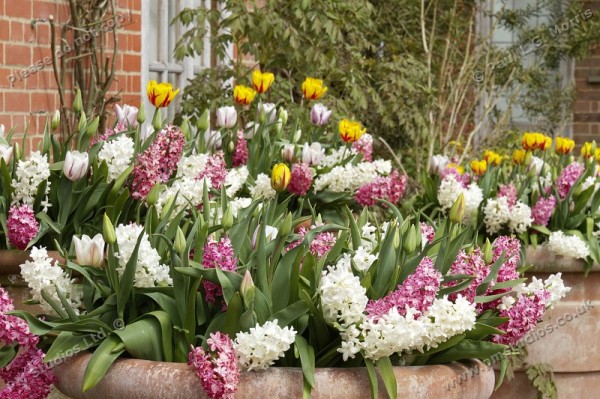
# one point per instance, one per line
(144, 379)
(11, 259)
(546, 261)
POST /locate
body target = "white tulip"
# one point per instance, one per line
(313, 154)
(76, 164)
(226, 117)
(287, 153)
(270, 233)
(89, 251)
(269, 110)
(439, 163)
(6, 152)
(213, 138)
(127, 114)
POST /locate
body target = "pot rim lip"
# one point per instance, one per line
(545, 261)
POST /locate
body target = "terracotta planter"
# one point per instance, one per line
(10, 277)
(569, 337)
(142, 379)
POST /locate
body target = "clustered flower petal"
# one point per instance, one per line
(30, 174)
(301, 179)
(22, 226)
(117, 154)
(217, 368)
(262, 345)
(390, 188)
(417, 292)
(542, 210)
(568, 177)
(240, 155)
(364, 146)
(510, 192)
(217, 254)
(215, 170)
(451, 188)
(158, 162)
(568, 245)
(471, 264)
(320, 244)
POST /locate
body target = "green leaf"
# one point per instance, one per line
(233, 315)
(387, 375)
(7, 354)
(69, 343)
(126, 282)
(143, 338)
(468, 349)
(101, 360)
(286, 316)
(373, 381)
(307, 360)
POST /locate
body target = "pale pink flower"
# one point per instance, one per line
(217, 254)
(523, 317)
(22, 226)
(542, 210)
(215, 170)
(301, 179)
(364, 146)
(240, 155)
(509, 192)
(568, 177)
(390, 188)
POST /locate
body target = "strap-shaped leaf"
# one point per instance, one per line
(106, 354)
(384, 365)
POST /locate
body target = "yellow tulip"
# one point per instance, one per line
(519, 156)
(589, 150)
(262, 80)
(456, 167)
(160, 94)
(536, 141)
(479, 167)
(280, 177)
(351, 131)
(313, 89)
(564, 145)
(243, 95)
(492, 157)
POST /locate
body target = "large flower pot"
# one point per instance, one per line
(569, 337)
(142, 379)
(10, 277)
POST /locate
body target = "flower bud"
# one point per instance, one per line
(297, 136)
(227, 219)
(168, 204)
(396, 239)
(82, 122)
(267, 112)
(457, 212)
(286, 225)
(92, 128)
(287, 153)
(108, 230)
(319, 115)
(247, 288)
(280, 177)
(89, 251)
(283, 116)
(141, 115)
(75, 165)
(153, 194)
(6, 152)
(185, 129)
(488, 253)
(270, 234)
(226, 117)
(77, 102)
(157, 120)
(231, 146)
(180, 243)
(410, 242)
(202, 123)
(55, 120)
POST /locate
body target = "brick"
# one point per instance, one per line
(43, 101)
(17, 101)
(42, 33)
(132, 63)
(18, 9)
(17, 29)
(135, 43)
(4, 28)
(43, 9)
(18, 55)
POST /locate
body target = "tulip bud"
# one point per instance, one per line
(226, 117)
(168, 204)
(202, 123)
(89, 251)
(247, 289)
(93, 127)
(77, 102)
(6, 152)
(157, 120)
(410, 242)
(528, 156)
(127, 115)
(108, 230)
(185, 129)
(17, 153)
(227, 219)
(280, 177)
(141, 115)
(55, 122)
(287, 153)
(286, 225)
(231, 146)
(396, 239)
(488, 253)
(153, 194)
(180, 242)
(75, 165)
(297, 136)
(267, 111)
(283, 116)
(319, 115)
(82, 122)
(313, 154)
(457, 212)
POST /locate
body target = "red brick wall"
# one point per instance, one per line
(26, 98)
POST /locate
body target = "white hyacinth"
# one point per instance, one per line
(554, 284)
(149, 272)
(235, 180)
(496, 214)
(117, 154)
(445, 319)
(29, 175)
(41, 274)
(342, 297)
(187, 191)
(363, 259)
(520, 218)
(565, 245)
(262, 188)
(449, 191)
(262, 345)
(350, 177)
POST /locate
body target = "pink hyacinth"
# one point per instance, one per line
(217, 254)
(119, 127)
(568, 177)
(26, 376)
(240, 155)
(319, 246)
(511, 247)
(217, 368)
(510, 192)
(471, 264)
(463, 179)
(542, 210)
(523, 317)
(215, 170)
(364, 146)
(417, 291)
(427, 232)
(301, 179)
(390, 188)
(22, 226)
(158, 162)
